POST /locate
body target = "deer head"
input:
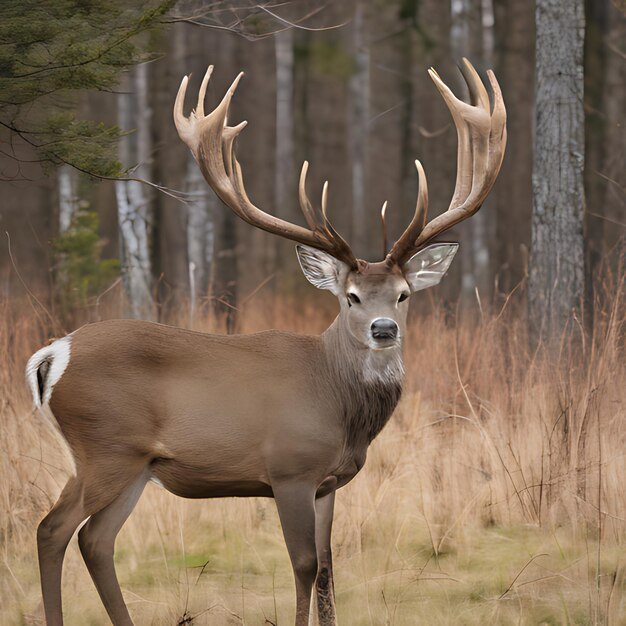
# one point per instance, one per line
(373, 296)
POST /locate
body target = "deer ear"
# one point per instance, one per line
(320, 268)
(428, 266)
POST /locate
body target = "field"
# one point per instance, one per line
(496, 494)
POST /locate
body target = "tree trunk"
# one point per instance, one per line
(68, 199)
(225, 286)
(468, 40)
(605, 138)
(359, 126)
(433, 137)
(168, 235)
(515, 29)
(133, 198)
(556, 284)
(284, 172)
(200, 235)
(285, 178)
(190, 57)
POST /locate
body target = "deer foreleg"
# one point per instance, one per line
(296, 508)
(324, 585)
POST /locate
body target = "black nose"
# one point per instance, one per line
(384, 328)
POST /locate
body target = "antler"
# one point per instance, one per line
(211, 141)
(482, 139)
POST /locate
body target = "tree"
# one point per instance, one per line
(134, 207)
(515, 43)
(605, 135)
(52, 50)
(359, 124)
(472, 38)
(556, 284)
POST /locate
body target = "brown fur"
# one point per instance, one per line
(270, 414)
(140, 400)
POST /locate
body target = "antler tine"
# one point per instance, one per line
(305, 204)
(180, 121)
(211, 142)
(321, 222)
(478, 93)
(406, 242)
(325, 201)
(488, 145)
(481, 134)
(202, 93)
(383, 212)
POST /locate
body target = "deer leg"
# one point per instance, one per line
(324, 585)
(296, 508)
(53, 535)
(97, 541)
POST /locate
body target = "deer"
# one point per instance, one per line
(137, 401)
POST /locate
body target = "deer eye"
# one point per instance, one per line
(353, 299)
(403, 297)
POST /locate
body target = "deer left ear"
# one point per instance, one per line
(321, 269)
(428, 266)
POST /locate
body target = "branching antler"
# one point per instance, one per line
(211, 141)
(482, 140)
(481, 134)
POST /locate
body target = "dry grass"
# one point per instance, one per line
(496, 495)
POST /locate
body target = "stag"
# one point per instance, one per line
(138, 401)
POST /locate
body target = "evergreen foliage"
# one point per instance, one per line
(51, 50)
(82, 271)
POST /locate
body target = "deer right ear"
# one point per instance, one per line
(320, 268)
(428, 266)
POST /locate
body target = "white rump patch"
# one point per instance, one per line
(57, 357)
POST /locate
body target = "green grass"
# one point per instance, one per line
(220, 573)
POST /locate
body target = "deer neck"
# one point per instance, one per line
(367, 383)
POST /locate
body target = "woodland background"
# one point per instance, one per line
(345, 88)
(495, 495)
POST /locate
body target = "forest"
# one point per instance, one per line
(495, 495)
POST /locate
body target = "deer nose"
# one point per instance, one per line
(384, 328)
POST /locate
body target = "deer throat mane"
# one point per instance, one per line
(368, 386)
(368, 402)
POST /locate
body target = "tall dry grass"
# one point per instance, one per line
(497, 493)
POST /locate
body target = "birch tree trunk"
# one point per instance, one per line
(68, 206)
(556, 283)
(133, 198)
(200, 232)
(201, 201)
(68, 199)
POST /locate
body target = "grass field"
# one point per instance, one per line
(496, 495)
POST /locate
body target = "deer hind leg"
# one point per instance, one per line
(324, 584)
(53, 535)
(296, 508)
(85, 494)
(97, 541)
